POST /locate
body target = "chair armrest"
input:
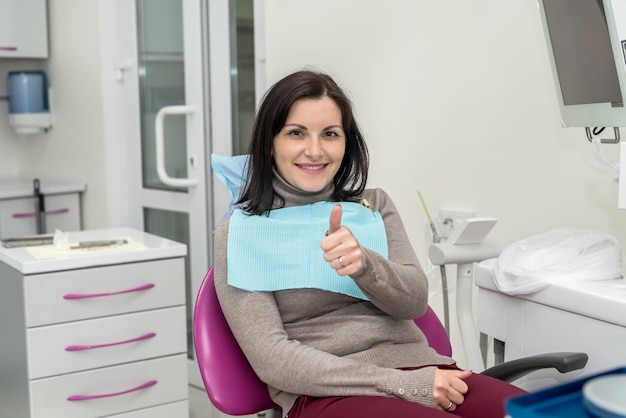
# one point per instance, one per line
(514, 369)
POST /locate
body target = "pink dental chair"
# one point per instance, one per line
(234, 388)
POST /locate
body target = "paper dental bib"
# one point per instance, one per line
(282, 251)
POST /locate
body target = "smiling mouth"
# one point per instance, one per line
(312, 167)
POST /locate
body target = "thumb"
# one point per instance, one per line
(335, 219)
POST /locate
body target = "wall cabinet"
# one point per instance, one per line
(23, 29)
(101, 333)
(19, 218)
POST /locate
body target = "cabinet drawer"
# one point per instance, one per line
(90, 293)
(83, 345)
(18, 217)
(111, 390)
(172, 410)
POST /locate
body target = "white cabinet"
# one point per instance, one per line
(18, 217)
(23, 29)
(19, 207)
(99, 333)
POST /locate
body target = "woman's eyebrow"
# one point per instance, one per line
(296, 125)
(333, 127)
(304, 128)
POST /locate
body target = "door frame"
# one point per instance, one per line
(210, 63)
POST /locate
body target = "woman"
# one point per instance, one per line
(317, 277)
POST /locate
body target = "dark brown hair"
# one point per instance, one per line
(258, 194)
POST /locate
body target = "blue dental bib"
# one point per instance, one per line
(282, 251)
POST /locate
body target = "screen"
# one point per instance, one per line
(582, 52)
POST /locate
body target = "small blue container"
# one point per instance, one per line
(28, 92)
(563, 401)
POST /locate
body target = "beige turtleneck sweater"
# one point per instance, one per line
(318, 343)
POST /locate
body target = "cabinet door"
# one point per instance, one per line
(23, 29)
(63, 213)
(18, 216)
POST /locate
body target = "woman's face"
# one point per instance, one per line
(309, 149)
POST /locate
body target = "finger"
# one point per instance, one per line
(459, 384)
(449, 387)
(449, 406)
(335, 219)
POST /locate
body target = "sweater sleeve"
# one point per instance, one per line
(296, 368)
(398, 285)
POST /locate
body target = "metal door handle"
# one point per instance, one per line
(160, 152)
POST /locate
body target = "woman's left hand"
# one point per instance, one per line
(341, 249)
(449, 388)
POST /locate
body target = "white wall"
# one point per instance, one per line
(456, 100)
(75, 146)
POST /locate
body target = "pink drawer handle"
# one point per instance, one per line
(8, 48)
(108, 395)
(97, 295)
(32, 214)
(89, 347)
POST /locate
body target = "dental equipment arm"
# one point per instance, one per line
(514, 369)
(464, 256)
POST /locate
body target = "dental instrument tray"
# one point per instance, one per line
(49, 239)
(27, 241)
(566, 400)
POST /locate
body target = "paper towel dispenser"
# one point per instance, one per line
(29, 104)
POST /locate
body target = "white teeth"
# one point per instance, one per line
(312, 167)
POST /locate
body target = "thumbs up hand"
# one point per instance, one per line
(335, 219)
(341, 249)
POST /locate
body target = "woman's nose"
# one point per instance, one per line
(314, 148)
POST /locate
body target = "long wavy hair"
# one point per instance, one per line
(258, 195)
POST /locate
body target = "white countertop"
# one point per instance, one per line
(145, 247)
(601, 299)
(13, 188)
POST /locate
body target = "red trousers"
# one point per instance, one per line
(485, 399)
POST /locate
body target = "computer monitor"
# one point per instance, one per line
(586, 41)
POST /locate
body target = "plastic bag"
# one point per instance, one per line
(559, 255)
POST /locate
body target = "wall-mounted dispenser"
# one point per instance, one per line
(29, 105)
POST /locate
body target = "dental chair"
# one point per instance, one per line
(234, 388)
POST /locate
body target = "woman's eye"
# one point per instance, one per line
(331, 134)
(295, 132)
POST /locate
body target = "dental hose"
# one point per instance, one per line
(442, 268)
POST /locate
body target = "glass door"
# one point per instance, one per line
(196, 88)
(174, 188)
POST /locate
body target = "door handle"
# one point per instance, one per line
(160, 151)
